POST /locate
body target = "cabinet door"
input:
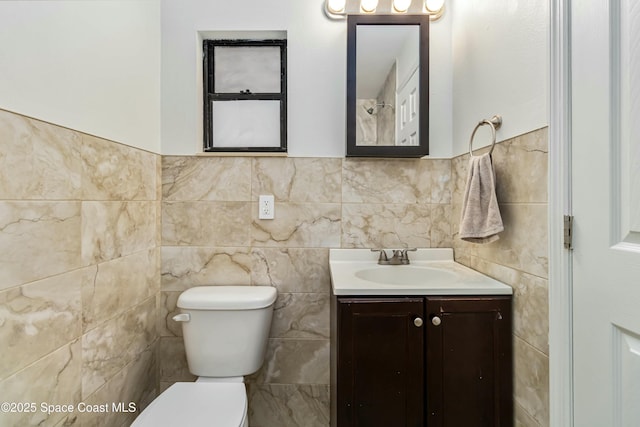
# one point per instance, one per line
(380, 362)
(469, 362)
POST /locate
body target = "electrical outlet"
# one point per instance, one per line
(266, 207)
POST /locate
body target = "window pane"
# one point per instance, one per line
(256, 68)
(245, 123)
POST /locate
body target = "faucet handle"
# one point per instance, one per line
(383, 254)
(404, 256)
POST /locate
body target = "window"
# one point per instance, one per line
(245, 95)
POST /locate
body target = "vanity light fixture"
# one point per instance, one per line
(368, 6)
(401, 5)
(336, 6)
(339, 9)
(433, 6)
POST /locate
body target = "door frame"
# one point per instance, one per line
(561, 400)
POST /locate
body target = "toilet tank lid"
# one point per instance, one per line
(227, 297)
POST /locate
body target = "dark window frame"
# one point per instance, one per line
(210, 94)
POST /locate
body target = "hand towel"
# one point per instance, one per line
(480, 221)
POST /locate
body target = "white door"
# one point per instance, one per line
(407, 118)
(605, 46)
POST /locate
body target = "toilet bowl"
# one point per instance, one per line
(225, 331)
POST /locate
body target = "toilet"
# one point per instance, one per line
(225, 331)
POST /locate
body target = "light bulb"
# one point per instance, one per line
(433, 6)
(401, 5)
(336, 6)
(369, 5)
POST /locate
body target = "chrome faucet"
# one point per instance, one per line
(399, 257)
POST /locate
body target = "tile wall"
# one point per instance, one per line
(520, 259)
(79, 273)
(211, 235)
(94, 253)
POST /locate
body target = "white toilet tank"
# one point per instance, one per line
(226, 328)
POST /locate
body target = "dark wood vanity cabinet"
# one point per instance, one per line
(380, 371)
(469, 362)
(421, 361)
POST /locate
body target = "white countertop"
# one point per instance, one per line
(431, 272)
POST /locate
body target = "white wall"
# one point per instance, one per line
(501, 63)
(316, 72)
(92, 66)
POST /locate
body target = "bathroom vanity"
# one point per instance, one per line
(427, 344)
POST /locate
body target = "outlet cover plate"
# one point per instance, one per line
(266, 207)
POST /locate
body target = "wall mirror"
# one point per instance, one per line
(387, 85)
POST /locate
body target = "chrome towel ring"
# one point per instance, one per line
(494, 123)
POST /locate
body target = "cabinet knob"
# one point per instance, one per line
(417, 321)
(436, 321)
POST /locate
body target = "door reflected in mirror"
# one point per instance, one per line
(387, 85)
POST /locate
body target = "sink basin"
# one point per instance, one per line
(407, 275)
(432, 271)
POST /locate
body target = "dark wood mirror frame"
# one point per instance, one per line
(353, 150)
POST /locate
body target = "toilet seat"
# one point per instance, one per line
(197, 404)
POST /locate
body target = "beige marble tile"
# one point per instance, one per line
(522, 244)
(54, 379)
(206, 223)
(160, 161)
(38, 160)
(385, 181)
(298, 225)
(167, 327)
(522, 419)
(530, 301)
(456, 242)
(294, 361)
(184, 267)
(438, 179)
(313, 180)
(37, 318)
(114, 229)
(301, 316)
(521, 166)
(109, 347)
(531, 309)
(396, 181)
(386, 226)
(158, 203)
(113, 171)
(459, 171)
(499, 272)
(531, 381)
(134, 384)
(116, 286)
(292, 269)
(288, 405)
(173, 361)
(441, 226)
(37, 240)
(462, 256)
(224, 179)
